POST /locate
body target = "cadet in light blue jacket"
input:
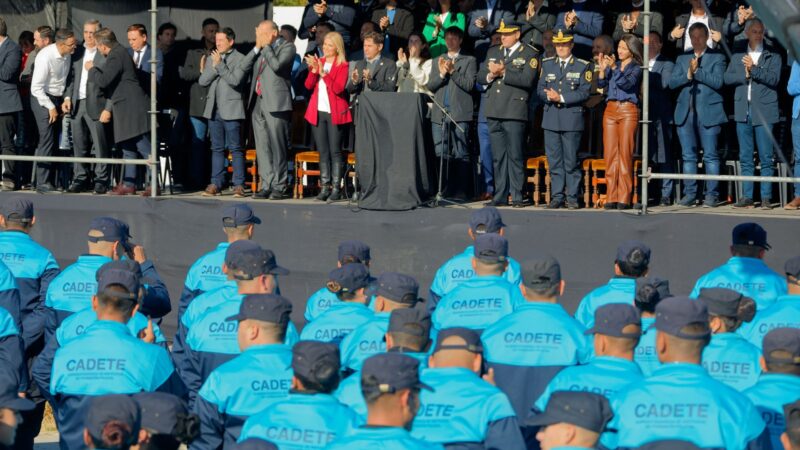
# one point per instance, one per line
(785, 312)
(632, 262)
(729, 357)
(572, 420)
(323, 299)
(459, 268)
(649, 292)
(486, 297)
(350, 310)
(746, 271)
(310, 417)
(680, 400)
(260, 376)
(528, 347)
(391, 387)
(238, 223)
(780, 381)
(462, 410)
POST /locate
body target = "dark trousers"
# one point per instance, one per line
(485, 148)
(561, 148)
(132, 149)
(328, 140)
(751, 136)
(198, 158)
(48, 137)
(226, 134)
(30, 427)
(8, 126)
(89, 136)
(457, 142)
(507, 138)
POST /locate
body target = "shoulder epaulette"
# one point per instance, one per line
(583, 61)
(549, 58)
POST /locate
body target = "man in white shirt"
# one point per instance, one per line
(47, 94)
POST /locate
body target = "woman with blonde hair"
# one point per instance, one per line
(328, 112)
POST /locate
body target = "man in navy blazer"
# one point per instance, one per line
(661, 111)
(698, 77)
(755, 72)
(10, 103)
(484, 20)
(584, 20)
(140, 50)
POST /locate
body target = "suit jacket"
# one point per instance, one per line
(10, 61)
(399, 30)
(340, 13)
(715, 23)
(503, 10)
(706, 86)
(764, 77)
(656, 24)
(507, 96)
(573, 84)
(532, 30)
(589, 26)
(225, 83)
(660, 93)
(191, 73)
(384, 79)
(129, 103)
(143, 72)
(457, 87)
(96, 100)
(275, 62)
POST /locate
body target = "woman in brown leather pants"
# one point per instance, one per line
(621, 118)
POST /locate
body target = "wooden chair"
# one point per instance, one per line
(598, 166)
(637, 164)
(251, 167)
(586, 167)
(539, 165)
(350, 170)
(300, 171)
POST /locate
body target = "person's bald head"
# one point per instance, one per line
(456, 351)
(268, 26)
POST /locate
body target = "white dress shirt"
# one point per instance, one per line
(704, 19)
(88, 55)
(754, 55)
(49, 75)
(323, 102)
(138, 56)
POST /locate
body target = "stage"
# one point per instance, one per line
(304, 234)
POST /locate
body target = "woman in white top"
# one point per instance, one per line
(414, 68)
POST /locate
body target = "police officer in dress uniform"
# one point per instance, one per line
(509, 73)
(785, 312)
(525, 360)
(649, 292)
(780, 381)
(352, 251)
(572, 420)
(310, 416)
(485, 298)
(632, 262)
(462, 408)
(238, 223)
(745, 271)
(564, 84)
(166, 421)
(729, 358)
(349, 283)
(391, 387)
(680, 400)
(459, 268)
(253, 380)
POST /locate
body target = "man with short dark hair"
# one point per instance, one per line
(573, 420)
(10, 104)
(375, 72)
(141, 52)
(785, 312)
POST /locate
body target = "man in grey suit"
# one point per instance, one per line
(452, 80)
(224, 76)
(271, 99)
(10, 103)
(88, 106)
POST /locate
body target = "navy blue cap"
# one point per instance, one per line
(491, 248)
(611, 320)
(9, 391)
(238, 214)
(487, 219)
(17, 209)
(411, 321)
(117, 407)
(265, 308)
(791, 414)
(727, 302)
(541, 273)
(124, 272)
(353, 251)
(651, 289)
(112, 230)
(675, 313)
(315, 360)
(471, 338)
(792, 267)
(247, 261)
(750, 234)
(671, 444)
(634, 253)
(238, 247)
(397, 287)
(160, 411)
(387, 373)
(348, 278)
(782, 346)
(255, 444)
(587, 410)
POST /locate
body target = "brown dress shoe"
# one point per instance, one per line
(211, 191)
(238, 192)
(794, 204)
(122, 189)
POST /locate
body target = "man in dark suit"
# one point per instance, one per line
(698, 77)
(509, 73)
(129, 104)
(88, 104)
(141, 52)
(583, 19)
(374, 72)
(661, 110)
(10, 103)
(451, 81)
(484, 20)
(341, 14)
(396, 25)
(755, 73)
(271, 99)
(537, 19)
(698, 14)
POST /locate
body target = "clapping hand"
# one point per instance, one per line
(354, 78)
(744, 14)
(609, 62)
(716, 36)
(693, 65)
(677, 32)
(628, 23)
(313, 63)
(384, 22)
(481, 22)
(570, 19)
(401, 56)
(497, 68)
(216, 57)
(552, 95)
(442, 67)
(321, 7)
(366, 75)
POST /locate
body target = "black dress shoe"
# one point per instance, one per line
(100, 188)
(573, 205)
(262, 194)
(76, 188)
(279, 196)
(623, 206)
(517, 204)
(46, 188)
(610, 205)
(494, 203)
(665, 201)
(555, 204)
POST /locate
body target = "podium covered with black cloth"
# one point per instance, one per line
(390, 151)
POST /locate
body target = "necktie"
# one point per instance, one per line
(138, 58)
(258, 75)
(562, 66)
(507, 53)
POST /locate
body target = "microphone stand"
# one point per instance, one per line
(447, 119)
